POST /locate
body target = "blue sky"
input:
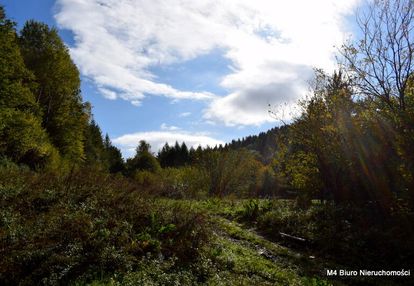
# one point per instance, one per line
(203, 72)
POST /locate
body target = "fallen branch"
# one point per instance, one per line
(292, 237)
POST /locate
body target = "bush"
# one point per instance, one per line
(353, 235)
(184, 182)
(176, 183)
(55, 229)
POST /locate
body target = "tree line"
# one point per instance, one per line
(352, 142)
(44, 122)
(46, 125)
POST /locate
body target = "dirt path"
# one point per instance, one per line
(253, 254)
(275, 264)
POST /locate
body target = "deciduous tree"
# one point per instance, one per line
(57, 90)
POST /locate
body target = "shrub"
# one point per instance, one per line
(184, 182)
(55, 229)
(353, 235)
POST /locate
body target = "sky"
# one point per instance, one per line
(199, 71)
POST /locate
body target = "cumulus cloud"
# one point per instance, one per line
(272, 47)
(116, 43)
(250, 104)
(157, 139)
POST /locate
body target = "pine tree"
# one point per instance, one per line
(95, 153)
(143, 160)
(113, 157)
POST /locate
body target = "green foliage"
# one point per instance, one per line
(143, 160)
(269, 183)
(251, 210)
(155, 272)
(113, 157)
(24, 140)
(185, 182)
(58, 229)
(344, 150)
(320, 134)
(264, 144)
(22, 137)
(349, 234)
(147, 179)
(175, 156)
(215, 173)
(58, 88)
(94, 146)
(235, 172)
(100, 152)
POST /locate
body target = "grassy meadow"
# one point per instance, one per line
(90, 228)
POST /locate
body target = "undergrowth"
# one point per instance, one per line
(58, 229)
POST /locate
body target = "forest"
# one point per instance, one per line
(331, 190)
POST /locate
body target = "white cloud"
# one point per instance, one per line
(107, 93)
(164, 126)
(272, 46)
(115, 44)
(157, 139)
(250, 104)
(184, 114)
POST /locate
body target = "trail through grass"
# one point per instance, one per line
(250, 258)
(247, 257)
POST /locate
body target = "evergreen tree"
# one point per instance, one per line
(175, 156)
(113, 157)
(184, 155)
(143, 160)
(165, 156)
(95, 153)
